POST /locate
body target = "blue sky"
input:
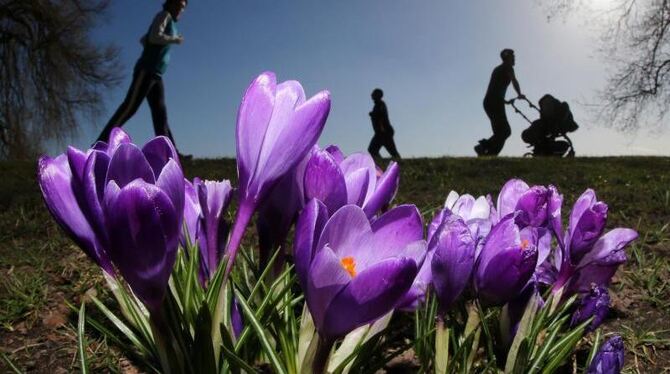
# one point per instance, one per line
(432, 58)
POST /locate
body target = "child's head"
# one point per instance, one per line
(175, 7)
(377, 94)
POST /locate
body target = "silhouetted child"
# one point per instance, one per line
(494, 105)
(382, 127)
(149, 69)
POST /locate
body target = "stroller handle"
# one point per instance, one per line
(530, 103)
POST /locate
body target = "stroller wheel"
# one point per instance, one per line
(528, 154)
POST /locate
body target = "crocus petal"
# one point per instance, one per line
(504, 235)
(437, 221)
(554, 203)
(171, 181)
(310, 223)
(357, 183)
(236, 319)
(77, 161)
(93, 187)
(192, 212)
(386, 188)
(452, 197)
(357, 161)
(393, 231)
(588, 229)
(100, 146)
(453, 261)
(610, 357)
(595, 304)
(509, 196)
(213, 198)
(344, 230)
(481, 209)
(325, 280)
(158, 151)
(584, 202)
(293, 129)
(215, 195)
(505, 275)
(532, 207)
(143, 247)
(543, 245)
(116, 138)
(598, 273)
(276, 215)
(613, 241)
(370, 295)
(336, 153)
(253, 118)
(324, 181)
(127, 164)
(55, 180)
(417, 292)
(463, 206)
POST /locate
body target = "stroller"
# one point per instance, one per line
(555, 121)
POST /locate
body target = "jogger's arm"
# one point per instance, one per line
(157, 33)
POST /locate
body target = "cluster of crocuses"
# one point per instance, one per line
(130, 209)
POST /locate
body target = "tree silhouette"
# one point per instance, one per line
(636, 41)
(52, 75)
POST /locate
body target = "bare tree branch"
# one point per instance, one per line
(636, 42)
(51, 75)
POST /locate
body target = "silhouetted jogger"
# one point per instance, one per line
(494, 104)
(382, 127)
(149, 69)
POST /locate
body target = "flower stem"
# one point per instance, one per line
(166, 347)
(244, 214)
(441, 346)
(321, 355)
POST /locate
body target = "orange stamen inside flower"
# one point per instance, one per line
(349, 264)
(524, 244)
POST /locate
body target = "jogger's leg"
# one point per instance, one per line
(391, 148)
(375, 146)
(156, 100)
(136, 93)
(500, 127)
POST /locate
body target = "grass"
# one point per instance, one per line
(41, 269)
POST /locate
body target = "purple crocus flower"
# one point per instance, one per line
(476, 214)
(506, 262)
(453, 260)
(595, 304)
(214, 198)
(587, 222)
(589, 257)
(537, 206)
(337, 180)
(64, 199)
(123, 205)
(276, 127)
(356, 271)
(610, 357)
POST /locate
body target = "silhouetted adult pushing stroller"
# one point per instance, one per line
(555, 122)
